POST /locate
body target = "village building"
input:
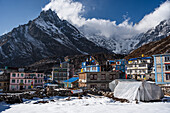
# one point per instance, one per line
(71, 83)
(24, 80)
(62, 72)
(162, 68)
(4, 80)
(118, 65)
(5, 77)
(90, 67)
(99, 80)
(139, 68)
(93, 75)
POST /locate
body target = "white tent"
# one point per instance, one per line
(114, 83)
(141, 91)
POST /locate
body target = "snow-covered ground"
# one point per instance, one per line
(84, 105)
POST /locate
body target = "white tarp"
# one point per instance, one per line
(114, 83)
(141, 91)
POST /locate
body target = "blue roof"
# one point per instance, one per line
(146, 57)
(139, 58)
(133, 59)
(72, 79)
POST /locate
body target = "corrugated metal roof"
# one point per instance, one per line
(139, 58)
(72, 79)
(166, 54)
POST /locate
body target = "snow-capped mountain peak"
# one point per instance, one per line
(45, 36)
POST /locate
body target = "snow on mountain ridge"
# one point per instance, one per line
(125, 46)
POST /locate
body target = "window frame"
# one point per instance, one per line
(167, 59)
(167, 76)
(103, 76)
(93, 77)
(13, 74)
(112, 76)
(13, 81)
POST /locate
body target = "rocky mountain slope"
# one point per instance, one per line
(161, 31)
(156, 47)
(43, 37)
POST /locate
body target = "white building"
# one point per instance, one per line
(139, 68)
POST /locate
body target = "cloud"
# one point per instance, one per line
(68, 10)
(154, 18)
(73, 12)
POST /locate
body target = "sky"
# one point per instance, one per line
(114, 16)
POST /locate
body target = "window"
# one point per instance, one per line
(13, 75)
(142, 65)
(103, 77)
(167, 58)
(168, 76)
(93, 77)
(22, 74)
(13, 80)
(88, 68)
(111, 77)
(21, 81)
(130, 65)
(93, 68)
(18, 74)
(167, 67)
(38, 75)
(56, 69)
(17, 81)
(29, 87)
(61, 74)
(41, 75)
(29, 81)
(55, 74)
(130, 71)
(64, 74)
(93, 86)
(0, 84)
(25, 81)
(35, 81)
(118, 67)
(103, 86)
(12, 87)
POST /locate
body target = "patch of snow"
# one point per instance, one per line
(84, 105)
(82, 52)
(59, 40)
